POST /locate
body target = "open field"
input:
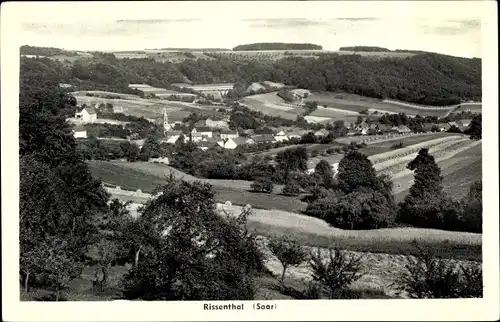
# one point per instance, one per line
(148, 176)
(356, 103)
(271, 104)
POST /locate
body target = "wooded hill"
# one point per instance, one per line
(428, 78)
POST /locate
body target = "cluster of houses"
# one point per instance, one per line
(211, 133)
(365, 128)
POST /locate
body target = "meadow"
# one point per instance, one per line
(147, 176)
(271, 104)
(356, 103)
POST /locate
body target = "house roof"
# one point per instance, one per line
(321, 132)
(90, 110)
(453, 123)
(263, 131)
(465, 121)
(443, 125)
(203, 129)
(240, 140)
(173, 133)
(228, 131)
(264, 138)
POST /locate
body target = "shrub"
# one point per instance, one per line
(291, 189)
(262, 185)
(330, 150)
(314, 153)
(397, 145)
(338, 273)
(429, 277)
(288, 252)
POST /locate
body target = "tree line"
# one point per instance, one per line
(277, 46)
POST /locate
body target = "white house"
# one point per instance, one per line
(281, 136)
(87, 115)
(202, 130)
(79, 132)
(216, 123)
(228, 134)
(322, 132)
(173, 136)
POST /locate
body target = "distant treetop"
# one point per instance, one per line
(364, 48)
(45, 51)
(277, 46)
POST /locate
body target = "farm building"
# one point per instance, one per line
(79, 132)
(281, 136)
(87, 115)
(209, 89)
(322, 132)
(443, 126)
(202, 130)
(228, 134)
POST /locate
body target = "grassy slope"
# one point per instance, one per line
(148, 176)
(356, 103)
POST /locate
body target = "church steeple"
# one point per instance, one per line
(166, 125)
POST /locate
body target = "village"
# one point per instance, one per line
(215, 131)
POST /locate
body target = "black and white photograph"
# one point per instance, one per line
(250, 159)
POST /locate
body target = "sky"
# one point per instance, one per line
(449, 27)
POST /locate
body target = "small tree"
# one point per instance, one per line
(288, 252)
(338, 273)
(262, 185)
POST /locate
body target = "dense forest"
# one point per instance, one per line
(364, 48)
(430, 79)
(277, 46)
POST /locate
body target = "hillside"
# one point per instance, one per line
(427, 79)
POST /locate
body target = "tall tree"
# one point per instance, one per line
(423, 206)
(354, 171)
(475, 127)
(292, 159)
(325, 172)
